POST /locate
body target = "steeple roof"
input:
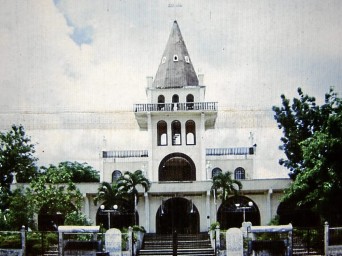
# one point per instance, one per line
(175, 69)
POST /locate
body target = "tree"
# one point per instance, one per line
(80, 172)
(77, 218)
(54, 191)
(110, 194)
(18, 213)
(16, 157)
(314, 159)
(299, 121)
(225, 185)
(129, 182)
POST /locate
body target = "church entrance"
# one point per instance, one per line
(236, 210)
(177, 214)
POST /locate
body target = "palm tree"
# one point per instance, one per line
(225, 185)
(110, 194)
(129, 182)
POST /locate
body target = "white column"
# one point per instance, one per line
(208, 209)
(86, 206)
(203, 155)
(147, 212)
(150, 147)
(269, 204)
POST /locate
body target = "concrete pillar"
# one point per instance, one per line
(202, 146)
(147, 212)
(150, 156)
(23, 240)
(207, 204)
(86, 205)
(269, 205)
(326, 237)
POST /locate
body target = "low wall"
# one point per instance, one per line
(334, 250)
(11, 252)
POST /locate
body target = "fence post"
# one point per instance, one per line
(217, 240)
(326, 237)
(23, 240)
(60, 243)
(174, 243)
(130, 241)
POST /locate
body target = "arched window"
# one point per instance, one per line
(175, 100)
(190, 101)
(161, 102)
(177, 167)
(162, 133)
(190, 130)
(216, 171)
(239, 173)
(176, 133)
(116, 174)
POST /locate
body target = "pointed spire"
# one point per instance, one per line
(175, 69)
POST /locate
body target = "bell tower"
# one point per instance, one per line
(176, 116)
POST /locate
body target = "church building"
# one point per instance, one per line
(178, 162)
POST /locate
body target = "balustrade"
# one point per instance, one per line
(188, 106)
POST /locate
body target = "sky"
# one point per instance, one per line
(89, 55)
(64, 56)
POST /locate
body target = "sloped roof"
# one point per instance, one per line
(175, 69)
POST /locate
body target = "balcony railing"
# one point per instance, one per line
(124, 153)
(229, 151)
(189, 106)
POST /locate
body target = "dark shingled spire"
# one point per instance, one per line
(175, 69)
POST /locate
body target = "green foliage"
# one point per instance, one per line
(224, 184)
(18, 214)
(137, 228)
(129, 182)
(16, 156)
(9, 240)
(77, 219)
(313, 145)
(214, 225)
(274, 221)
(55, 191)
(299, 121)
(80, 172)
(110, 194)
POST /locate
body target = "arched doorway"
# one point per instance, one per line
(178, 214)
(177, 167)
(230, 215)
(118, 216)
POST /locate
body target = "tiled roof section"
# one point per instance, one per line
(175, 69)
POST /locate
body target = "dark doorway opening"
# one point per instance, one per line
(177, 214)
(230, 215)
(122, 217)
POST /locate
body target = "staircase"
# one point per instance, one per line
(52, 251)
(192, 244)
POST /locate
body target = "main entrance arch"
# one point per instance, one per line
(229, 215)
(178, 214)
(177, 167)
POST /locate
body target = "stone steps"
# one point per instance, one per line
(191, 245)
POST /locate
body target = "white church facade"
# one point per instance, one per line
(177, 160)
